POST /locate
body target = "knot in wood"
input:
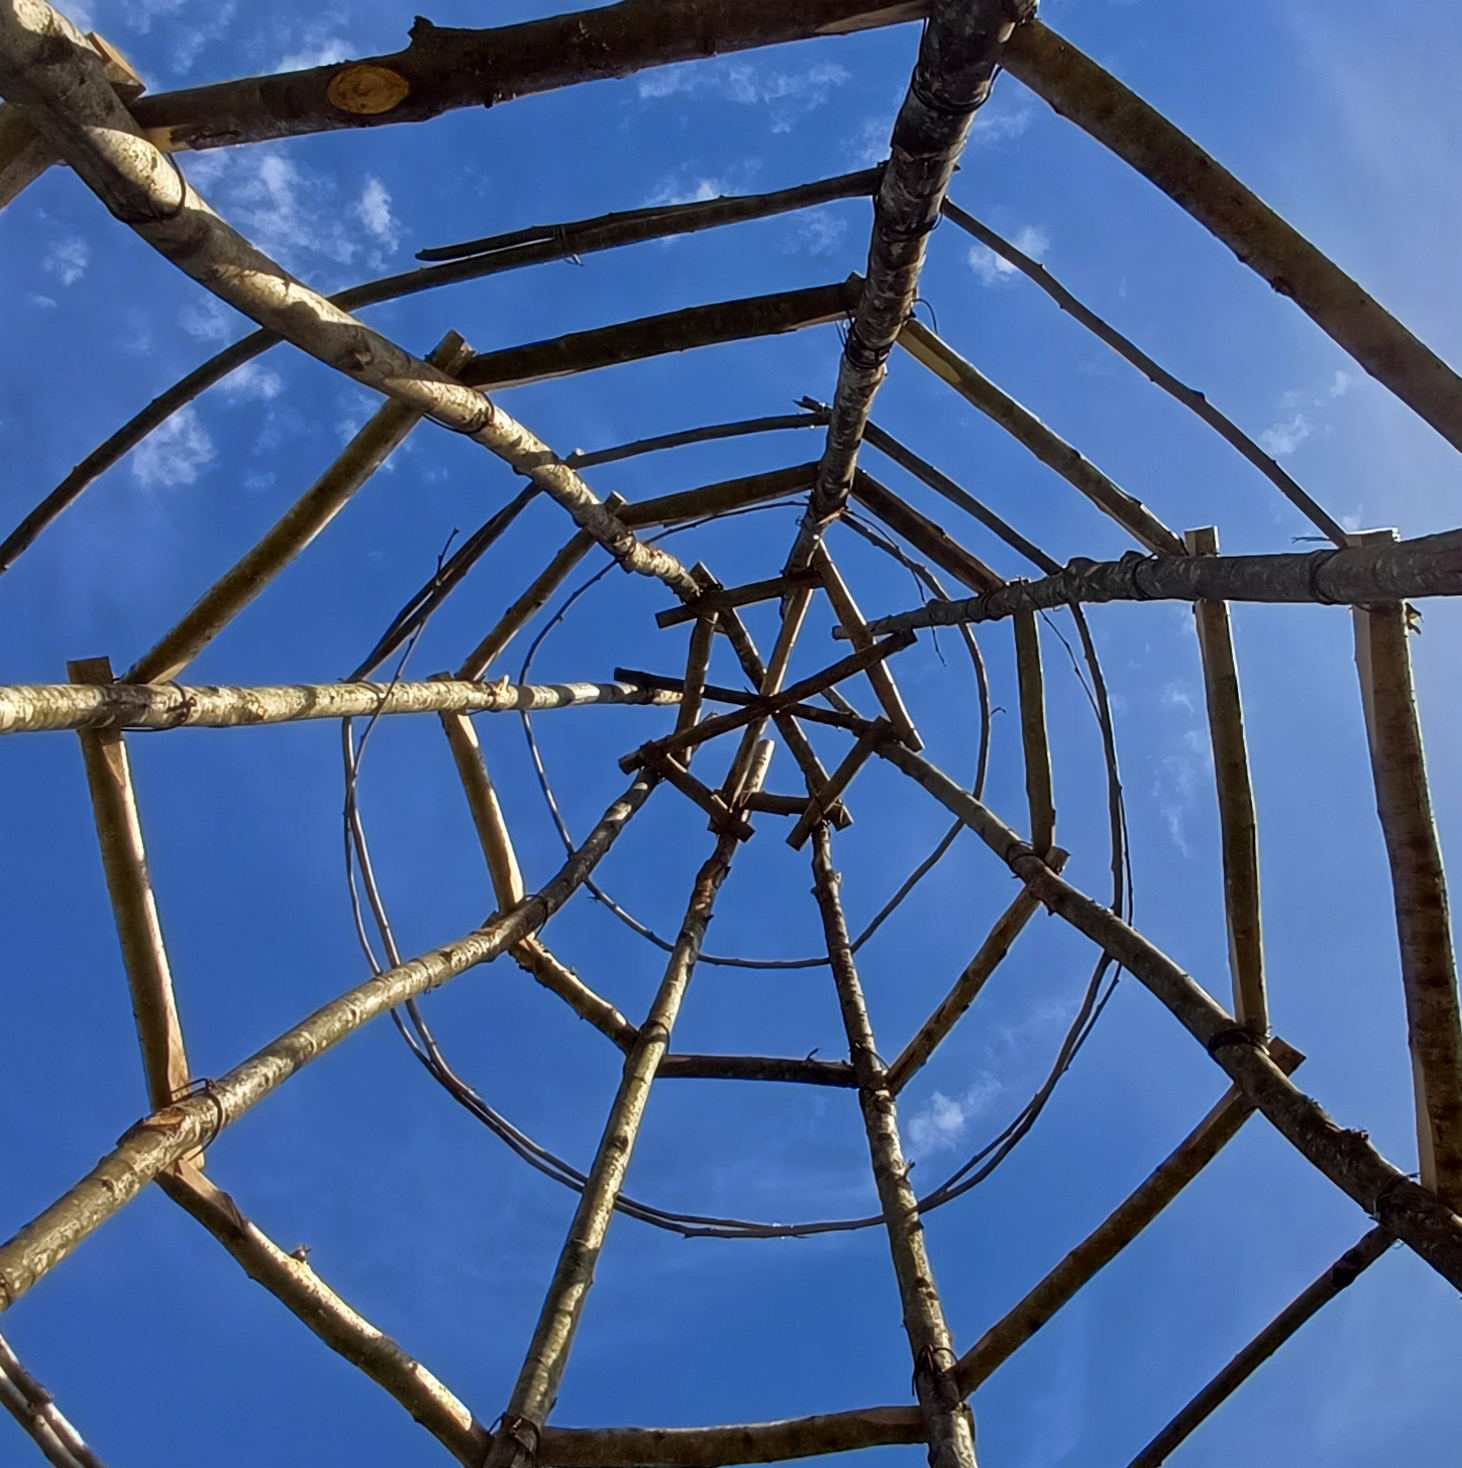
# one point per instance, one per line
(367, 90)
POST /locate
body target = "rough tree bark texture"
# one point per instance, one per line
(958, 54)
(1430, 565)
(950, 1427)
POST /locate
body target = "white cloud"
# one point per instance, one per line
(941, 1123)
(373, 209)
(786, 96)
(251, 382)
(821, 232)
(141, 13)
(67, 259)
(324, 52)
(175, 453)
(1176, 785)
(871, 144)
(188, 41)
(1284, 438)
(296, 216)
(46, 303)
(992, 269)
(206, 320)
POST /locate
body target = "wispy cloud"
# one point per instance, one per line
(175, 453)
(296, 215)
(1306, 418)
(821, 232)
(207, 320)
(67, 259)
(252, 383)
(992, 269)
(943, 1122)
(786, 96)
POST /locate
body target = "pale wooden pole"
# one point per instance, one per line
(533, 1396)
(1080, 90)
(168, 1074)
(1031, 684)
(134, 904)
(1413, 1213)
(35, 1409)
(294, 1283)
(164, 1138)
(1238, 823)
(950, 1429)
(46, 65)
(1116, 1231)
(1190, 397)
(1430, 565)
(959, 54)
(818, 805)
(1418, 882)
(1008, 927)
(927, 537)
(1028, 430)
(29, 708)
(1340, 1276)
(383, 434)
(851, 619)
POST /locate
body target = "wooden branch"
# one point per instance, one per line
(807, 1072)
(697, 662)
(924, 535)
(24, 154)
(685, 218)
(1430, 565)
(565, 241)
(716, 693)
(1237, 821)
(949, 1426)
(162, 1139)
(852, 621)
(713, 499)
(35, 1409)
(537, 1387)
(712, 433)
(1418, 883)
(1413, 1213)
(1039, 787)
(134, 905)
(777, 805)
(725, 723)
(723, 818)
(1116, 1231)
(1008, 927)
(735, 596)
(1028, 431)
(532, 955)
(1340, 1276)
(532, 601)
(29, 708)
(382, 435)
(710, 1447)
(838, 782)
(656, 336)
(46, 65)
(1079, 89)
(486, 811)
(1189, 397)
(291, 1280)
(445, 68)
(959, 53)
(791, 731)
(941, 483)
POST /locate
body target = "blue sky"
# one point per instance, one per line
(151, 1337)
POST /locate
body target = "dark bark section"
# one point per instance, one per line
(924, 535)
(807, 1072)
(655, 336)
(445, 68)
(1431, 565)
(1079, 89)
(958, 54)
